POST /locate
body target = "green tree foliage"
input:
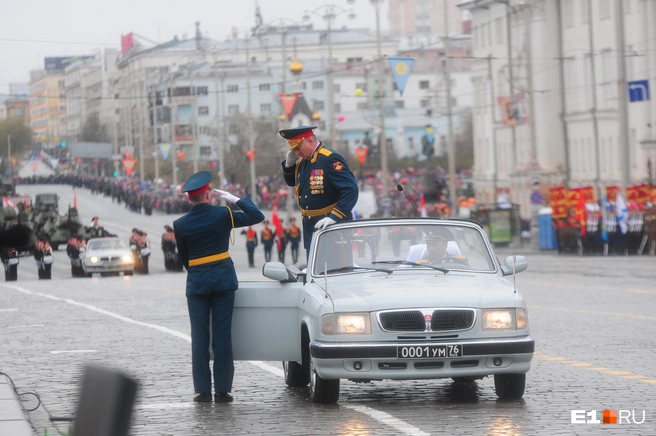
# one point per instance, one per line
(21, 136)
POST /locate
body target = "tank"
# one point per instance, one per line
(10, 220)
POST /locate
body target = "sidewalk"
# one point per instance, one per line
(13, 420)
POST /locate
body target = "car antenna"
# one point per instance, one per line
(400, 188)
(325, 277)
(514, 275)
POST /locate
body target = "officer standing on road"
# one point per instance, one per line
(267, 236)
(202, 236)
(325, 187)
(294, 238)
(251, 243)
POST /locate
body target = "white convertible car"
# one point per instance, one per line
(378, 301)
(107, 256)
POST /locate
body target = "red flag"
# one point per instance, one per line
(581, 215)
(288, 101)
(74, 198)
(422, 205)
(275, 220)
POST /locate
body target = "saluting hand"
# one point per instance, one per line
(291, 159)
(228, 196)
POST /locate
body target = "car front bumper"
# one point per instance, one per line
(109, 268)
(379, 361)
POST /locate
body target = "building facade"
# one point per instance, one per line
(47, 106)
(422, 17)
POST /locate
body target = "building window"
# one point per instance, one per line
(204, 130)
(233, 88)
(303, 85)
(399, 104)
(233, 129)
(205, 150)
(203, 110)
(233, 108)
(424, 84)
(265, 87)
(319, 105)
(317, 84)
(265, 108)
(336, 88)
(353, 60)
(362, 86)
(424, 103)
(604, 9)
(201, 90)
(361, 106)
(338, 107)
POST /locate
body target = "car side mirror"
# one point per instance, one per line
(278, 272)
(520, 265)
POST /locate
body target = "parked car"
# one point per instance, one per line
(107, 256)
(398, 299)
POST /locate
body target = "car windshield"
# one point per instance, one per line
(105, 244)
(393, 245)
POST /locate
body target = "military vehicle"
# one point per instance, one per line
(57, 229)
(10, 220)
(7, 186)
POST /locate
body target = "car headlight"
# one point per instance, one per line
(522, 319)
(127, 258)
(94, 259)
(499, 319)
(346, 324)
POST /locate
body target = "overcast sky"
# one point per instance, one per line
(77, 27)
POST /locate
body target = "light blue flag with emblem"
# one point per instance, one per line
(401, 68)
(604, 215)
(164, 148)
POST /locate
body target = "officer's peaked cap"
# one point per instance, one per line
(198, 183)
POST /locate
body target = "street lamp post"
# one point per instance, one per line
(329, 13)
(381, 101)
(249, 114)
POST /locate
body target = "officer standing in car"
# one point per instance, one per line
(325, 187)
(202, 236)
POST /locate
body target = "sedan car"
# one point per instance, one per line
(398, 299)
(107, 256)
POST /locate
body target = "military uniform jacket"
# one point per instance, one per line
(294, 234)
(205, 231)
(266, 235)
(324, 180)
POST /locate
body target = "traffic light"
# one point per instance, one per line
(115, 173)
(63, 144)
(427, 147)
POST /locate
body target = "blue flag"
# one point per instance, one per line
(604, 216)
(401, 68)
(164, 148)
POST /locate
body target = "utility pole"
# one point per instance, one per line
(142, 135)
(172, 152)
(9, 148)
(382, 142)
(622, 108)
(450, 143)
(249, 114)
(219, 128)
(493, 132)
(511, 80)
(193, 116)
(331, 97)
(529, 71)
(114, 123)
(156, 152)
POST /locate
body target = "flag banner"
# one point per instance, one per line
(611, 193)
(514, 111)
(422, 205)
(54, 162)
(622, 214)
(604, 219)
(361, 153)
(288, 101)
(154, 154)
(34, 165)
(588, 194)
(164, 148)
(573, 197)
(401, 68)
(275, 220)
(74, 198)
(129, 166)
(638, 194)
(558, 202)
(580, 213)
(251, 154)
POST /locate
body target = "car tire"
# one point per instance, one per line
(128, 273)
(322, 391)
(295, 375)
(88, 274)
(509, 386)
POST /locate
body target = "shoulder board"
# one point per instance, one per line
(459, 257)
(421, 261)
(325, 152)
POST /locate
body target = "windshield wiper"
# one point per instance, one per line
(407, 262)
(355, 268)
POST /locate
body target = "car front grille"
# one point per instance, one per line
(446, 320)
(409, 321)
(441, 320)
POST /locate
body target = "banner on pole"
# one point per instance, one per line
(401, 68)
(251, 154)
(288, 101)
(54, 162)
(164, 148)
(129, 166)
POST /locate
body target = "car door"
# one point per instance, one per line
(266, 321)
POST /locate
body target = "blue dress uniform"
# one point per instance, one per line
(324, 184)
(202, 236)
(266, 236)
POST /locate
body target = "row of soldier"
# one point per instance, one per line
(280, 236)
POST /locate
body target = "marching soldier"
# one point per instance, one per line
(281, 234)
(325, 187)
(294, 238)
(251, 243)
(267, 236)
(202, 236)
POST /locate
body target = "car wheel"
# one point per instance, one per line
(88, 274)
(322, 391)
(295, 375)
(510, 386)
(128, 273)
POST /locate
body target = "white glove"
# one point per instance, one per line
(325, 222)
(291, 159)
(228, 196)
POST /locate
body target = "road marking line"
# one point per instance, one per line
(73, 351)
(590, 367)
(382, 417)
(8, 310)
(20, 326)
(594, 312)
(166, 406)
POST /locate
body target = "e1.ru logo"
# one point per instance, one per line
(607, 417)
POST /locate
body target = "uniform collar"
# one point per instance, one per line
(316, 152)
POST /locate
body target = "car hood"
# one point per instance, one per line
(107, 253)
(364, 292)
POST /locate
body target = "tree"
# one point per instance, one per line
(93, 130)
(21, 136)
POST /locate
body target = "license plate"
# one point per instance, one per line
(429, 351)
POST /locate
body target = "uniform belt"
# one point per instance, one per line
(209, 259)
(317, 212)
